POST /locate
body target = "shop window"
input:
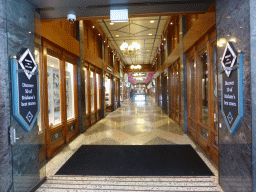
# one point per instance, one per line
(37, 60)
(204, 88)
(92, 91)
(192, 86)
(86, 92)
(98, 90)
(53, 82)
(108, 92)
(70, 91)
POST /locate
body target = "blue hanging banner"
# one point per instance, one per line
(232, 102)
(25, 90)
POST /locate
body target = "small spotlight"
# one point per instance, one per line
(93, 26)
(152, 21)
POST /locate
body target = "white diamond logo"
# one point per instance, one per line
(229, 58)
(230, 118)
(28, 63)
(29, 116)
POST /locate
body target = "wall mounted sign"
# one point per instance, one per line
(25, 89)
(232, 87)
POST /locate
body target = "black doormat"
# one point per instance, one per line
(135, 160)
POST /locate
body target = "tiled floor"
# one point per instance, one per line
(131, 124)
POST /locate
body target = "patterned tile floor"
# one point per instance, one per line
(132, 124)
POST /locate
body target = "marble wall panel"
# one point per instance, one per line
(235, 159)
(253, 86)
(20, 34)
(5, 149)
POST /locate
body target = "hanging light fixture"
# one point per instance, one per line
(129, 50)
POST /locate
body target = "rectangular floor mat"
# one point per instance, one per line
(135, 160)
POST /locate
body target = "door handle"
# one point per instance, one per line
(13, 137)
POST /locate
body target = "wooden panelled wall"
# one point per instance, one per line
(199, 45)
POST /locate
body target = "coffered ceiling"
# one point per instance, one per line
(146, 31)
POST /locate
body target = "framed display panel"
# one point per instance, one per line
(86, 79)
(71, 110)
(59, 82)
(54, 91)
(93, 96)
(41, 130)
(202, 96)
(99, 94)
(116, 90)
(70, 102)
(108, 93)
(175, 92)
(159, 91)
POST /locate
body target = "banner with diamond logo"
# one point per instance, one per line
(25, 89)
(232, 87)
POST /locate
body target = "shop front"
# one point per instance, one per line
(60, 114)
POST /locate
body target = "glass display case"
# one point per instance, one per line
(86, 98)
(204, 90)
(92, 92)
(107, 92)
(98, 90)
(53, 82)
(70, 91)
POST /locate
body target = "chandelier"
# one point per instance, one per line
(130, 50)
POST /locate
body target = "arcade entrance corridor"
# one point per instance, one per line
(139, 123)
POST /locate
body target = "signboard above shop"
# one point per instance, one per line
(232, 87)
(25, 89)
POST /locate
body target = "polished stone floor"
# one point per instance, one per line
(137, 123)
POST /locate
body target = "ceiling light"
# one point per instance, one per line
(135, 67)
(99, 34)
(150, 34)
(152, 21)
(164, 39)
(93, 26)
(117, 35)
(111, 23)
(171, 23)
(130, 50)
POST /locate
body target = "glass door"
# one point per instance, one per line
(27, 148)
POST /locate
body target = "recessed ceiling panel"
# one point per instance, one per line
(146, 31)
